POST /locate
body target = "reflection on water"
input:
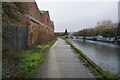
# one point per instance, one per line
(103, 54)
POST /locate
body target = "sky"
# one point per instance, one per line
(75, 15)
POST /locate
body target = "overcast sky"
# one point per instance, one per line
(76, 15)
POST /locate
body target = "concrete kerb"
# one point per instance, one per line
(99, 69)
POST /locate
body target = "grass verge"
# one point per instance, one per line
(94, 68)
(31, 59)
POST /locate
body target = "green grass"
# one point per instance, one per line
(32, 58)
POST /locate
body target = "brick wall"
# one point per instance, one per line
(38, 33)
(39, 28)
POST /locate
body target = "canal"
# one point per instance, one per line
(103, 54)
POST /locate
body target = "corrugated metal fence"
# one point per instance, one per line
(14, 38)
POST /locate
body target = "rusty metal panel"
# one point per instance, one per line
(33, 34)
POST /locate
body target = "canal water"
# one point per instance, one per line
(103, 54)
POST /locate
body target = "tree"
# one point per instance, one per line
(66, 33)
(105, 28)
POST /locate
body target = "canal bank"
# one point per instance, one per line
(103, 54)
(98, 71)
(62, 62)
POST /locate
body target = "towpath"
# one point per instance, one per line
(62, 62)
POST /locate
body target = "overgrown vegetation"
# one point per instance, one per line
(11, 10)
(94, 68)
(10, 55)
(28, 61)
(10, 15)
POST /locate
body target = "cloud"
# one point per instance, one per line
(79, 15)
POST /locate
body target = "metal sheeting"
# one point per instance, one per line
(14, 37)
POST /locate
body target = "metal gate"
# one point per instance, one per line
(14, 38)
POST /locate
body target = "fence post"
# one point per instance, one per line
(27, 32)
(17, 36)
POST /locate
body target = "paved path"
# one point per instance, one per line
(62, 62)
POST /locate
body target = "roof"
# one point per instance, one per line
(42, 11)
